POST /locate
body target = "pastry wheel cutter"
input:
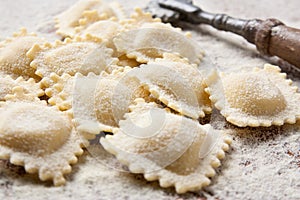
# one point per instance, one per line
(271, 36)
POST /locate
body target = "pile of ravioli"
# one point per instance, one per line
(136, 78)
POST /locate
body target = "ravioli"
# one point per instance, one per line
(170, 148)
(113, 95)
(48, 146)
(98, 26)
(19, 65)
(262, 97)
(146, 44)
(68, 20)
(174, 87)
(70, 56)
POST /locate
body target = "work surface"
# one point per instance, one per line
(263, 163)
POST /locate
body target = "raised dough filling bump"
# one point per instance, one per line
(46, 135)
(254, 94)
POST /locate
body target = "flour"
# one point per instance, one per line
(264, 163)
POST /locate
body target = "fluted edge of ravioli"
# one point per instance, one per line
(60, 91)
(7, 83)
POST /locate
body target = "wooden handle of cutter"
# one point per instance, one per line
(270, 36)
(273, 38)
(284, 42)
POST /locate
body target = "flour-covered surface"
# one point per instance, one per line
(263, 163)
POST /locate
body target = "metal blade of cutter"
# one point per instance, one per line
(167, 15)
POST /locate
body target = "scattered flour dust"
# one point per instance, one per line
(263, 163)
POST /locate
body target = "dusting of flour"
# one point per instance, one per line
(263, 163)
